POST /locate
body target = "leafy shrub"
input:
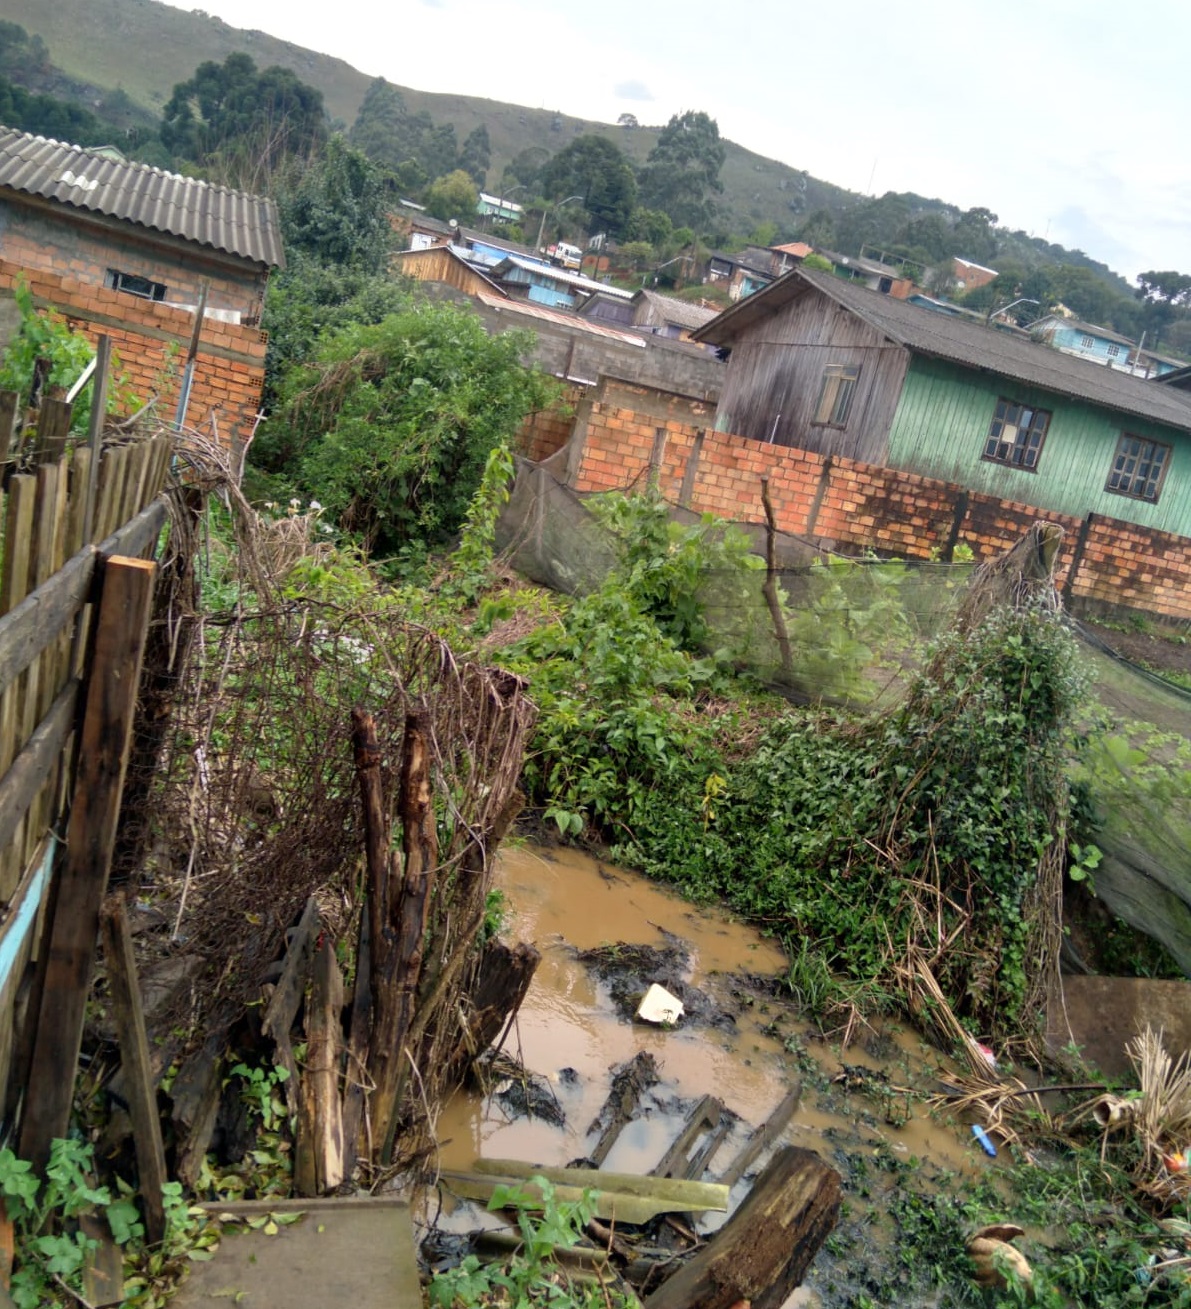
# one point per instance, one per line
(391, 424)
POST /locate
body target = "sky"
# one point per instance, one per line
(1066, 119)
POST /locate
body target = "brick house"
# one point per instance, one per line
(124, 249)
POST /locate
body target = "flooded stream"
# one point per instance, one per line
(861, 1108)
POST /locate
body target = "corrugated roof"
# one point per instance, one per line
(579, 282)
(960, 341)
(1078, 325)
(679, 312)
(574, 321)
(233, 222)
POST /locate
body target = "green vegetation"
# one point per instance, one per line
(390, 424)
(534, 1275)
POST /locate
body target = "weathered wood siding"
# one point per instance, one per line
(942, 422)
(776, 370)
(436, 264)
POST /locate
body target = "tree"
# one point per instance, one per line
(476, 154)
(1165, 296)
(411, 145)
(334, 209)
(525, 167)
(974, 237)
(819, 230)
(682, 172)
(242, 123)
(454, 196)
(627, 120)
(652, 225)
(929, 236)
(392, 423)
(596, 169)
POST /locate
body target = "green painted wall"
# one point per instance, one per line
(942, 420)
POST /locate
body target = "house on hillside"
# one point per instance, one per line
(969, 276)
(104, 221)
(830, 366)
(544, 284)
(1100, 344)
(660, 315)
(741, 274)
(444, 264)
(130, 251)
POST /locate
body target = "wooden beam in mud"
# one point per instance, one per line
(764, 1137)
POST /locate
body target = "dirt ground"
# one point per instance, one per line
(1160, 653)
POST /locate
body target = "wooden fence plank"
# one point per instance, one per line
(23, 780)
(53, 427)
(16, 946)
(29, 627)
(139, 533)
(124, 608)
(89, 485)
(10, 411)
(129, 1016)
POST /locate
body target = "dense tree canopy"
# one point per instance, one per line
(595, 169)
(412, 145)
(241, 121)
(453, 197)
(476, 154)
(682, 173)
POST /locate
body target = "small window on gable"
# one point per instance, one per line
(835, 395)
(1138, 468)
(1015, 435)
(134, 285)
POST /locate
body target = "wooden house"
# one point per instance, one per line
(659, 315)
(828, 365)
(443, 263)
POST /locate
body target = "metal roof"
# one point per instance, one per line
(573, 321)
(960, 341)
(1058, 321)
(232, 222)
(579, 282)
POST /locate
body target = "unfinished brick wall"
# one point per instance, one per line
(849, 506)
(151, 340)
(41, 240)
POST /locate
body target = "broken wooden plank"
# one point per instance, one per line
(629, 1081)
(626, 1197)
(103, 1266)
(763, 1251)
(287, 995)
(106, 735)
(764, 1137)
(195, 1096)
(703, 1117)
(129, 1018)
(324, 1042)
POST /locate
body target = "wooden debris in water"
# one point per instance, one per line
(628, 1083)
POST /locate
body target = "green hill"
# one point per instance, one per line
(139, 50)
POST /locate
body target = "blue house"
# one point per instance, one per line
(547, 285)
(1100, 344)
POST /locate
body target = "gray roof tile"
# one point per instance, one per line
(233, 222)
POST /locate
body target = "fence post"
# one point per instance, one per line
(81, 881)
(1081, 542)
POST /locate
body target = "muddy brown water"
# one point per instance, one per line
(570, 1032)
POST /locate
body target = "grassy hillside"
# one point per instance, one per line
(145, 48)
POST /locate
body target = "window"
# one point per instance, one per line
(835, 395)
(1087, 342)
(134, 285)
(1016, 435)
(1114, 351)
(1138, 468)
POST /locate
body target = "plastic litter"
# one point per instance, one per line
(659, 1006)
(986, 1142)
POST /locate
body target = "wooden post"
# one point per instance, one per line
(125, 599)
(129, 1016)
(325, 1039)
(398, 947)
(763, 1251)
(99, 404)
(769, 589)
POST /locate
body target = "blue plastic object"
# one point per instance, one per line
(985, 1140)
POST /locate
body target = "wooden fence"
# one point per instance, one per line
(79, 519)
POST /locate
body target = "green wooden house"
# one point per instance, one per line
(827, 365)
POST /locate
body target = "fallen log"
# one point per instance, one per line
(762, 1253)
(319, 1167)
